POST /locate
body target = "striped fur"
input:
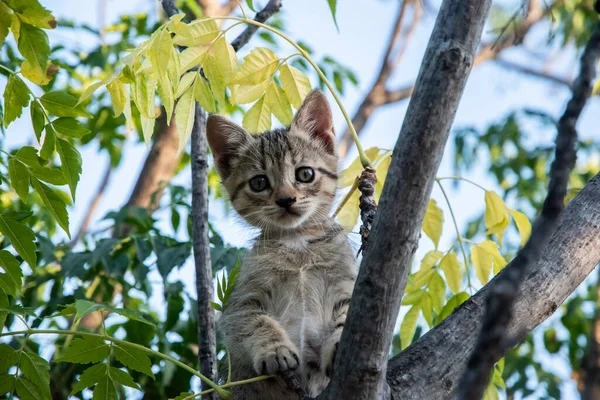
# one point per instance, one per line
(289, 305)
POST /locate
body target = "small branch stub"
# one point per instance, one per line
(368, 207)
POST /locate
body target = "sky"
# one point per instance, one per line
(491, 93)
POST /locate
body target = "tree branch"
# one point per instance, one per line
(431, 367)
(590, 365)
(367, 335)
(533, 72)
(379, 95)
(493, 341)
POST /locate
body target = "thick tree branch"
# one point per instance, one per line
(493, 341)
(376, 299)
(431, 367)
(379, 95)
(590, 365)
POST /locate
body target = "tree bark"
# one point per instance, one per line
(431, 367)
(590, 364)
(373, 311)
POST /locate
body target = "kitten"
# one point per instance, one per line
(287, 311)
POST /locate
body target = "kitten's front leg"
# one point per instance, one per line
(331, 341)
(271, 349)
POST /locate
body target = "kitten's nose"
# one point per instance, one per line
(285, 202)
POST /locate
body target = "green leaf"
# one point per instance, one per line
(133, 358)
(19, 178)
(71, 164)
(409, 326)
(412, 298)
(433, 222)
(258, 67)
(89, 91)
(37, 119)
(11, 280)
(128, 313)
(258, 117)
(90, 377)
(69, 127)
(216, 306)
(36, 369)
(21, 237)
(203, 95)
(279, 104)
(32, 12)
(250, 4)
(85, 350)
(184, 117)
(105, 389)
(16, 97)
(454, 302)
(54, 204)
(5, 21)
(7, 382)
(116, 89)
(523, 225)
(496, 215)
(451, 267)
(85, 307)
(295, 84)
(27, 390)
(333, 9)
(33, 45)
(8, 357)
(3, 304)
(123, 378)
(47, 150)
(63, 104)
(197, 33)
(427, 308)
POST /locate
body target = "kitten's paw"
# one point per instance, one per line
(275, 359)
(328, 357)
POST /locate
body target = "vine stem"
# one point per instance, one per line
(230, 384)
(364, 160)
(346, 198)
(458, 178)
(10, 71)
(166, 357)
(458, 235)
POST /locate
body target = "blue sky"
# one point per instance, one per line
(490, 94)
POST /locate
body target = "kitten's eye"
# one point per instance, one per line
(305, 174)
(259, 183)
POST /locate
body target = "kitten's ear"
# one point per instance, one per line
(314, 118)
(224, 137)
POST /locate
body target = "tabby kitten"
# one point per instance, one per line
(287, 311)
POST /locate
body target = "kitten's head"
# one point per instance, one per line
(280, 179)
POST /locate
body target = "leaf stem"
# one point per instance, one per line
(364, 160)
(346, 197)
(458, 235)
(458, 178)
(10, 71)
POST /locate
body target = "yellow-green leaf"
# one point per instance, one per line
(279, 103)
(437, 288)
(127, 111)
(21, 237)
(143, 98)
(427, 308)
(492, 249)
(35, 48)
(258, 117)
(166, 95)
(89, 90)
(382, 164)
(160, 52)
(482, 262)
(409, 326)
(16, 97)
(451, 267)
(191, 57)
(523, 225)
(454, 302)
(348, 215)
(433, 222)
(245, 94)
(258, 67)
(117, 90)
(295, 84)
(215, 77)
(226, 59)
(496, 215)
(69, 127)
(184, 116)
(204, 96)
(147, 128)
(197, 33)
(412, 298)
(35, 73)
(32, 12)
(186, 81)
(349, 175)
(430, 258)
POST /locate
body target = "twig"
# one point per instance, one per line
(493, 340)
(533, 72)
(271, 8)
